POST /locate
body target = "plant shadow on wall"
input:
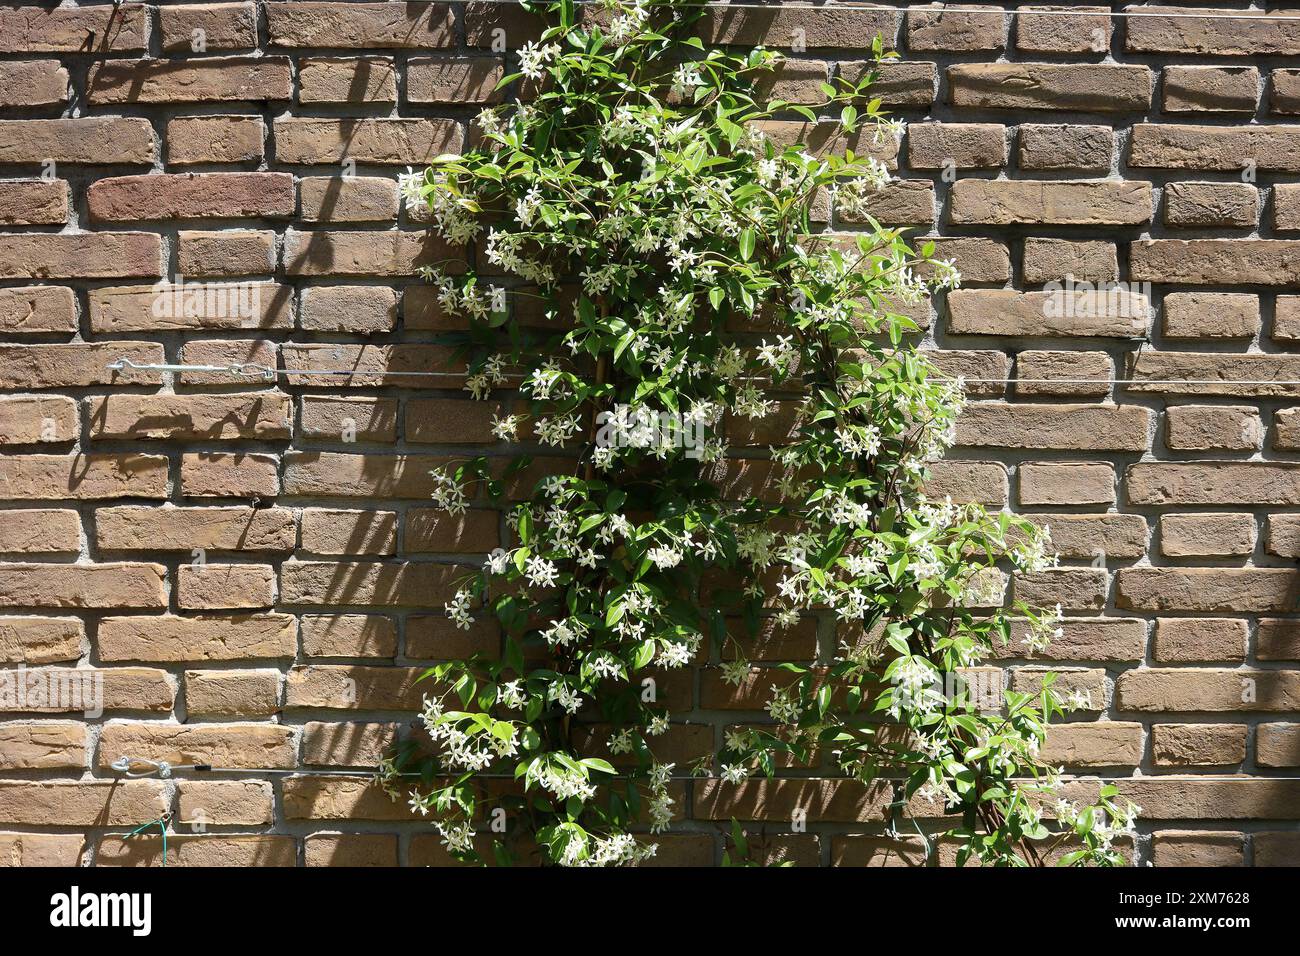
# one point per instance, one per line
(640, 199)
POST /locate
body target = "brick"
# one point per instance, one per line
(169, 528)
(1210, 373)
(393, 142)
(1058, 146)
(1207, 689)
(1085, 537)
(945, 28)
(1187, 639)
(75, 365)
(334, 531)
(452, 421)
(1080, 588)
(348, 199)
(1283, 537)
(902, 202)
(1213, 315)
(366, 419)
(1207, 535)
(1276, 849)
(33, 202)
(225, 802)
(370, 254)
(1067, 483)
(366, 26)
(360, 310)
(83, 255)
(1213, 483)
(352, 687)
(367, 79)
(1207, 589)
(1286, 318)
(110, 585)
(1004, 202)
(220, 586)
(460, 79)
(1093, 87)
(192, 140)
(91, 140)
(978, 260)
(238, 746)
(90, 691)
(40, 531)
(261, 415)
(1079, 427)
(956, 145)
(821, 27)
(1206, 205)
(32, 83)
(1110, 743)
(1182, 146)
(1284, 92)
(474, 532)
(350, 849)
(346, 744)
(232, 693)
(1214, 34)
(1053, 260)
(192, 196)
(334, 798)
(1214, 428)
(433, 637)
(83, 477)
(226, 352)
(68, 803)
(334, 474)
(1277, 745)
(966, 481)
(830, 801)
(41, 849)
(40, 640)
(1211, 89)
(367, 583)
(1286, 207)
(900, 84)
(29, 29)
(348, 635)
(1078, 311)
(37, 310)
(1085, 639)
(232, 851)
(1082, 373)
(35, 419)
(166, 306)
(1198, 745)
(201, 28)
(208, 80)
(235, 252)
(200, 638)
(42, 745)
(972, 364)
(1198, 848)
(1038, 31)
(234, 475)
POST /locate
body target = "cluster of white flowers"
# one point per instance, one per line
(533, 58)
(458, 609)
(447, 494)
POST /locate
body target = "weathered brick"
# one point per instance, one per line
(816, 27)
(1211, 373)
(1207, 690)
(365, 419)
(36, 419)
(459, 79)
(1207, 535)
(1038, 31)
(40, 530)
(1005, 202)
(214, 139)
(1277, 745)
(364, 26)
(433, 637)
(429, 529)
(966, 481)
(33, 202)
(371, 254)
(1086, 537)
(263, 415)
(200, 638)
(350, 849)
(1079, 311)
(1058, 146)
(165, 306)
(106, 475)
(89, 691)
(1198, 745)
(1211, 89)
(1277, 640)
(224, 353)
(1276, 849)
(238, 746)
(1206, 205)
(334, 474)
(42, 745)
(90, 140)
(225, 802)
(334, 531)
(200, 28)
(1284, 92)
(1084, 639)
(1081, 588)
(945, 28)
(899, 84)
(1198, 848)
(222, 586)
(41, 849)
(902, 202)
(31, 29)
(80, 255)
(1093, 87)
(973, 364)
(265, 850)
(360, 310)
(1283, 535)
(1181, 146)
(352, 687)
(1213, 483)
(235, 528)
(367, 79)
(232, 693)
(1286, 207)
(192, 196)
(348, 199)
(234, 475)
(346, 744)
(367, 583)
(1053, 260)
(978, 259)
(348, 635)
(1286, 318)
(394, 142)
(1214, 315)
(1110, 743)
(68, 803)
(1081, 373)
(1215, 34)
(1208, 589)
(216, 79)
(234, 252)
(37, 310)
(831, 801)
(956, 145)
(1214, 428)
(40, 640)
(1082, 427)
(108, 585)
(1183, 639)
(1067, 483)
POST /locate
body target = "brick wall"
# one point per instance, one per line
(253, 569)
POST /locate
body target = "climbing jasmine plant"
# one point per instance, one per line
(651, 281)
